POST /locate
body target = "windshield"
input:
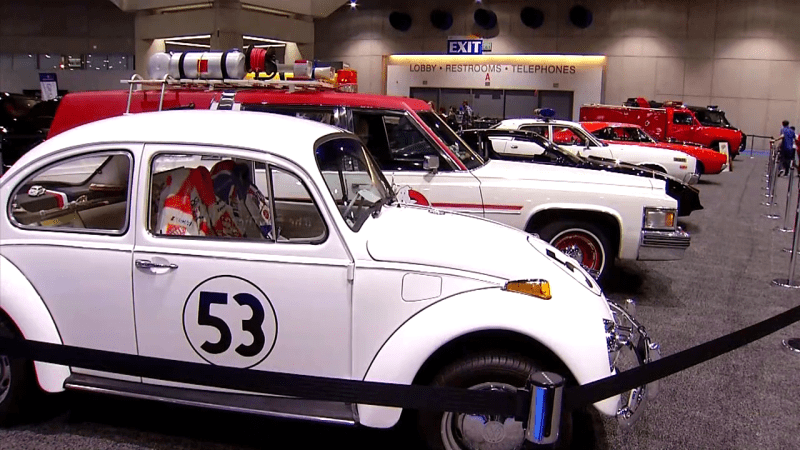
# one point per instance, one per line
(357, 186)
(464, 152)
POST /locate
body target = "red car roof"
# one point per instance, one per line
(80, 108)
(596, 125)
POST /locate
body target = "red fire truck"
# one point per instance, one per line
(672, 122)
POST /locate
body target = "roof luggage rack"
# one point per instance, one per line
(291, 85)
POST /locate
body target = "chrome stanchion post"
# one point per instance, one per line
(790, 282)
(544, 417)
(785, 227)
(793, 345)
(771, 186)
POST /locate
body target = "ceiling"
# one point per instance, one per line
(312, 8)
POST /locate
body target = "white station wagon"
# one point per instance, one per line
(272, 243)
(573, 137)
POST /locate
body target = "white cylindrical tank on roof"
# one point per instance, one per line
(205, 65)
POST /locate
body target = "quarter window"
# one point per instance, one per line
(296, 214)
(89, 192)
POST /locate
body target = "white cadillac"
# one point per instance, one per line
(573, 137)
(140, 235)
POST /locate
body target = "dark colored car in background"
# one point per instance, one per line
(24, 122)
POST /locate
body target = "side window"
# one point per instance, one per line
(566, 136)
(212, 196)
(538, 129)
(89, 192)
(407, 146)
(682, 119)
(296, 214)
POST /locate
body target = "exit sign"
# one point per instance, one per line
(465, 46)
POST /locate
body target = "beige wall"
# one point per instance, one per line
(743, 55)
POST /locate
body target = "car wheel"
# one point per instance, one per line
(491, 371)
(701, 169)
(14, 382)
(585, 242)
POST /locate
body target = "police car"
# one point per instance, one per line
(571, 136)
(281, 247)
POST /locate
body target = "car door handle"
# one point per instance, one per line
(145, 264)
(514, 146)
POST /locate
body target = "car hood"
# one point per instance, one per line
(688, 197)
(548, 172)
(430, 237)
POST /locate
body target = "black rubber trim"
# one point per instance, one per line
(181, 73)
(224, 68)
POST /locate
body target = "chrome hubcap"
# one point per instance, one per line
(573, 251)
(5, 377)
(483, 432)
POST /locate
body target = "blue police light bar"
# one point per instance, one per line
(545, 112)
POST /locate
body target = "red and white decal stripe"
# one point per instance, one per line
(488, 208)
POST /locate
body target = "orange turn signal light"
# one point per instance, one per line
(534, 288)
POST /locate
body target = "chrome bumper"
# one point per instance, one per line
(691, 178)
(663, 245)
(629, 346)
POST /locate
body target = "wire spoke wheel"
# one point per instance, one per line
(583, 246)
(480, 431)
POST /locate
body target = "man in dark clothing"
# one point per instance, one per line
(786, 148)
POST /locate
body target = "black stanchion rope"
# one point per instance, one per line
(415, 397)
(586, 394)
(276, 383)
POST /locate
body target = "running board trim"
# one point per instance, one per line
(283, 407)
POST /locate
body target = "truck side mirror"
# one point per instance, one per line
(431, 163)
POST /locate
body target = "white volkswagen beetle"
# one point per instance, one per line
(266, 242)
(574, 138)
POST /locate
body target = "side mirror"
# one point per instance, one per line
(431, 163)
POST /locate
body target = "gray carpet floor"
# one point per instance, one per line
(746, 399)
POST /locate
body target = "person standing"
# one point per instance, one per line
(786, 148)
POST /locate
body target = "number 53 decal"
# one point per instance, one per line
(229, 321)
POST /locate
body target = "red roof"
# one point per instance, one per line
(80, 108)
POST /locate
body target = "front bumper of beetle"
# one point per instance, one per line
(630, 346)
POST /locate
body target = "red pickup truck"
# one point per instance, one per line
(667, 123)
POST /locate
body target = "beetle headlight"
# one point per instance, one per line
(660, 219)
(534, 288)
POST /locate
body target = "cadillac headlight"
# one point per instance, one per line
(660, 219)
(534, 288)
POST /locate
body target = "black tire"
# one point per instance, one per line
(15, 382)
(596, 249)
(701, 169)
(498, 368)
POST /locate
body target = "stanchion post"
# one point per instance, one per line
(544, 419)
(771, 186)
(790, 282)
(785, 227)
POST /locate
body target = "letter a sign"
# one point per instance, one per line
(464, 46)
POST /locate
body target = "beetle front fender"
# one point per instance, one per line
(20, 301)
(570, 326)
